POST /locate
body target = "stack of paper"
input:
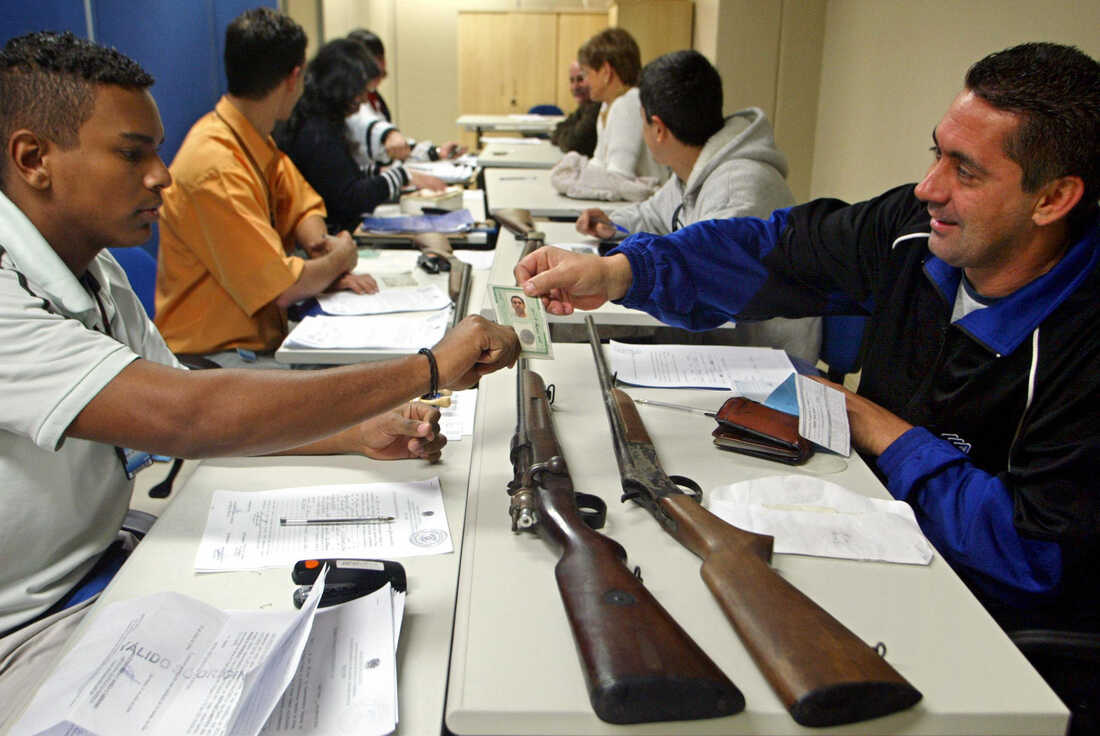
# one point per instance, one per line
(425, 298)
(328, 332)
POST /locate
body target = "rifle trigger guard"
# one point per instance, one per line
(592, 509)
(689, 486)
(551, 391)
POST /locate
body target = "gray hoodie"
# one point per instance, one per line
(739, 173)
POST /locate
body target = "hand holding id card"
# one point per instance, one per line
(527, 317)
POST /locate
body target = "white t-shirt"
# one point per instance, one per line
(61, 500)
(620, 146)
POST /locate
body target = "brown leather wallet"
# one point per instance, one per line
(751, 428)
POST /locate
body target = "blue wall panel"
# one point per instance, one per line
(23, 16)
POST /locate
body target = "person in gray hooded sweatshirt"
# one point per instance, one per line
(723, 168)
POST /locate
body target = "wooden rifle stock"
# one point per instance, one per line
(458, 284)
(823, 673)
(639, 665)
(522, 225)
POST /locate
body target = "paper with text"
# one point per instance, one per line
(347, 677)
(427, 298)
(810, 516)
(243, 531)
(823, 416)
(398, 333)
(170, 664)
(750, 372)
(457, 420)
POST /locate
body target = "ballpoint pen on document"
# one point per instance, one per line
(283, 521)
(681, 407)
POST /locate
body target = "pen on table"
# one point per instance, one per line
(680, 407)
(283, 521)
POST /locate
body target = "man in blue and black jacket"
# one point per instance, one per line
(981, 373)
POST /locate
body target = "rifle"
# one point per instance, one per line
(824, 674)
(638, 664)
(520, 223)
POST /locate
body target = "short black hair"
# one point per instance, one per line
(334, 78)
(616, 47)
(684, 90)
(369, 39)
(1055, 90)
(262, 47)
(48, 80)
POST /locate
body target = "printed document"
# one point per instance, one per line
(170, 664)
(322, 332)
(810, 516)
(750, 372)
(246, 530)
(823, 416)
(347, 678)
(385, 301)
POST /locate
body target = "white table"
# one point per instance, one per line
(543, 155)
(165, 561)
(377, 261)
(530, 189)
(514, 669)
(517, 122)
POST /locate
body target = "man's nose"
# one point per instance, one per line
(932, 188)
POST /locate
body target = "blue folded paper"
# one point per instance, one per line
(458, 221)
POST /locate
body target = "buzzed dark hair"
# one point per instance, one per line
(262, 47)
(616, 47)
(47, 85)
(684, 90)
(1055, 90)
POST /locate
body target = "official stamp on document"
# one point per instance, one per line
(527, 317)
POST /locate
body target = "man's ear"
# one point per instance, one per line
(27, 154)
(1057, 198)
(660, 130)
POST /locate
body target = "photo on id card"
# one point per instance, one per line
(527, 317)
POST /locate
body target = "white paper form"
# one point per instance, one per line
(750, 372)
(399, 333)
(479, 260)
(823, 416)
(810, 516)
(170, 664)
(427, 298)
(243, 530)
(347, 678)
(457, 420)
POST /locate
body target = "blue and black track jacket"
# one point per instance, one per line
(1003, 465)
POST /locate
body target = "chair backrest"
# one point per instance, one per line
(141, 269)
(545, 110)
(841, 340)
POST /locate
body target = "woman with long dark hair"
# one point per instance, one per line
(336, 82)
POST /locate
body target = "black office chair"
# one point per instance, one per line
(1070, 663)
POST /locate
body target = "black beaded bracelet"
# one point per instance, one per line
(433, 392)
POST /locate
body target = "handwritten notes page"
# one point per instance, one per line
(243, 530)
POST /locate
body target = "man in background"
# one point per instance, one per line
(721, 168)
(578, 131)
(239, 207)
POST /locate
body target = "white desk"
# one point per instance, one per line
(514, 669)
(507, 254)
(530, 189)
(543, 155)
(517, 123)
(376, 261)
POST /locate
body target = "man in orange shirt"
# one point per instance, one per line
(238, 207)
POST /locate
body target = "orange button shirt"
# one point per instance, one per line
(226, 239)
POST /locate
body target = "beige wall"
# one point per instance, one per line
(890, 69)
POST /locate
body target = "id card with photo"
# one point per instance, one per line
(526, 316)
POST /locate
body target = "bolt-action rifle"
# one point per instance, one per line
(639, 665)
(824, 674)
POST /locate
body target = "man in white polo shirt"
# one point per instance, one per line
(83, 371)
